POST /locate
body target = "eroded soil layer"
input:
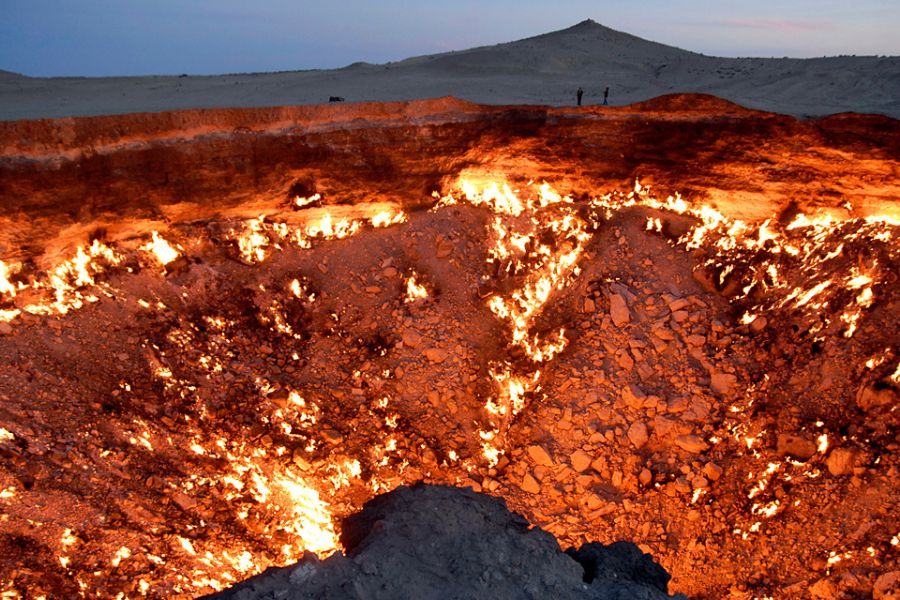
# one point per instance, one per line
(191, 392)
(60, 178)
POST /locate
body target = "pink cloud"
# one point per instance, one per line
(780, 25)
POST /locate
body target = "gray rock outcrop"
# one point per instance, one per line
(442, 542)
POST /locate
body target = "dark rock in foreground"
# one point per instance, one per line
(443, 542)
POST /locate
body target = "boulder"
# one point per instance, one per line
(436, 542)
(795, 446)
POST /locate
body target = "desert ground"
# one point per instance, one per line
(546, 70)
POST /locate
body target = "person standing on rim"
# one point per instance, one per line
(606, 97)
(578, 95)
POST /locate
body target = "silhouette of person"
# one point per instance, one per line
(606, 97)
(578, 95)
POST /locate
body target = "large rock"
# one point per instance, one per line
(795, 446)
(441, 542)
(618, 310)
(887, 586)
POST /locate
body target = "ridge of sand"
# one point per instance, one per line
(545, 69)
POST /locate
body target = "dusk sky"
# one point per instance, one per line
(140, 37)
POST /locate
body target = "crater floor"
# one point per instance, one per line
(192, 392)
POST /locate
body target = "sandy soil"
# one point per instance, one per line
(545, 70)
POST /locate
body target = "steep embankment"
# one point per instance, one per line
(58, 178)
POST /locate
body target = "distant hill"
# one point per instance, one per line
(545, 69)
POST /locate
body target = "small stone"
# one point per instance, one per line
(589, 305)
(373, 289)
(681, 316)
(795, 446)
(332, 436)
(617, 478)
(824, 590)
(869, 397)
(695, 340)
(618, 310)
(841, 461)
(580, 461)
(678, 303)
(443, 247)
(633, 396)
(700, 482)
(691, 443)
(436, 355)
(683, 486)
(676, 405)
(645, 477)
(183, 501)
(638, 435)
(713, 471)
(411, 338)
(540, 456)
(721, 383)
(758, 324)
(593, 501)
(6, 329)
(530, 484)
(390, 272)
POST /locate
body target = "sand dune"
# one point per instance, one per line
(545, 69)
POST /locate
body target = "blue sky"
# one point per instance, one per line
(139, 37)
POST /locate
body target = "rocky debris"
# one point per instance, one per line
(722, 383)
(530, 484)
(691, 443)
(638, 434)
(436, 355)
(580, 461)
(441, 542)
(841, 461)
(540, 456)
(618, 310)
(887, 586)
(347, 402)
(713, 471)
(411, 338)
(795, 446)
(824, 589)
(875, 395)
(758, 325)
(633, 396)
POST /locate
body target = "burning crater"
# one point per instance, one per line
(224, 331)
